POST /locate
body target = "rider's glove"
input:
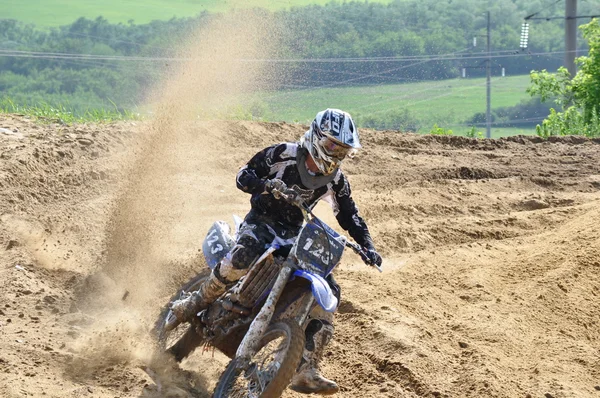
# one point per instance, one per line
(275, 185)
(293, 197)
(373, 257)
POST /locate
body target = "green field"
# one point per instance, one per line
(447, 102)
(49, 13)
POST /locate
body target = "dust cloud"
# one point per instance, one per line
(221, 63)
(157, 223)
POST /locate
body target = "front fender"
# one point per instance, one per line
(320, 289)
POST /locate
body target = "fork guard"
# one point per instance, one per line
(320, 289)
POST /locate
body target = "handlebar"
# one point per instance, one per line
(295, 199)
(291, 197)
(361, 252)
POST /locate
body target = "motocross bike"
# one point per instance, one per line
(259, 323)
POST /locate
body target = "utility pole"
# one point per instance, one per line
(570, 18)
(488, 74)
(488, 83)
(571, 36)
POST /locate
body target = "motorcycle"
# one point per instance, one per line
(259, 322)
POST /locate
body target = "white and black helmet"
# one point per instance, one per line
(332, 137)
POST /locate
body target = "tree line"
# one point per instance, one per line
(369, 31)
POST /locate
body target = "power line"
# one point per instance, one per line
(100, 61)
(355, 79)
(374, 74)
(78, 57)
(536, 13)
(392, 58)
(340, 72)
(579, 16)
(427, 58)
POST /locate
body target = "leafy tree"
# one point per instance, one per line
(578, 97)
(586, 83)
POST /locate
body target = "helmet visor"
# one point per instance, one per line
(336, 150)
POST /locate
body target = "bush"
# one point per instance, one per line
(436, 130)
(570, 122)
(473, 133)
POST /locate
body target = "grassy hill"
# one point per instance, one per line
(61, 12)
(447, 102)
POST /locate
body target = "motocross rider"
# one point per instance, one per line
(311, 169)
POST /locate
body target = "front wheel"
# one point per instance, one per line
(271, 369)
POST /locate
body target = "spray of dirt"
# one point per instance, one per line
(220, 68)
(221, 63)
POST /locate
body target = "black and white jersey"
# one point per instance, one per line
(280, 161)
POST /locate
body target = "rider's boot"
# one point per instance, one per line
(186, 308)
(308, 379)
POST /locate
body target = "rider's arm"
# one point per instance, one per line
(346, 212)
(252, 176)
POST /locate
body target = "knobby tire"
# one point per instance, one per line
(277, 385)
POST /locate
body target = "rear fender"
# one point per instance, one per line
(320, 289)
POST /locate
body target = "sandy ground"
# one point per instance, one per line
(491, 257)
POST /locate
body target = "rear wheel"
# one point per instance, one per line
(271, 369)
(182, 340)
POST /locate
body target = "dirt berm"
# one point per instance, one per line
(491, 255)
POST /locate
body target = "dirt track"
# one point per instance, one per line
(492, 259)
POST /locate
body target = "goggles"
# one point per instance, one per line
(336, 150)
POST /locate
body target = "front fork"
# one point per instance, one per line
(258, 327)
(305, 307)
